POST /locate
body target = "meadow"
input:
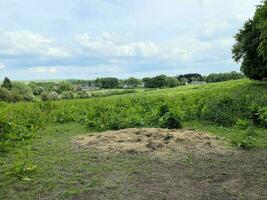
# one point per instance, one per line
(35, 137)
(240, 103)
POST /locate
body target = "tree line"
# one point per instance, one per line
(14, 91)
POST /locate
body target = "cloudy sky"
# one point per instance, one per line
(58, 39)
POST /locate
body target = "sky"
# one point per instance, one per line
(85, 39)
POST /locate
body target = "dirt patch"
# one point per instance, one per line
(151, 140)
(158, 164)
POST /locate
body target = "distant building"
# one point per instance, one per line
(198, 82)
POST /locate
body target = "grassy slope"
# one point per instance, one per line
(64, 172)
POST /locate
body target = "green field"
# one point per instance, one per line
(41, 160)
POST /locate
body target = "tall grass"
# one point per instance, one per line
(223, 104)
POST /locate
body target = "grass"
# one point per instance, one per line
(65, 171)
(62, 169)
(231, 134)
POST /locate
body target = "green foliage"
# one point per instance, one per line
(224, 104)
(251, 45)
(107, 83)
(132, 82)
(171, 121)
(7, 84)
(82, 95)
(161, 81)
(67, 95)
(242, 124)
(22, 89)
(9, 96)
(190, 77)
(64, 86)
(51, 96)
(245, 140)
(213, 78)
(263, 117)
(23, 168)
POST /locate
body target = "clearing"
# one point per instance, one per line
(147, 163)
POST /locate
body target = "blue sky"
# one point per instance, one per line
(86, 39)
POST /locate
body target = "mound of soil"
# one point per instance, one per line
(147, 140)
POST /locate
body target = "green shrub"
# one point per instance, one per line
(263, 117)
(242, 124)
(67, 95)
(171, 121)
(82, 95)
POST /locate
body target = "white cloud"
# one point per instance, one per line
(185, 48)
(108, 45)
(2, 66)
(49, 70)
(29, 43)
(182, 48)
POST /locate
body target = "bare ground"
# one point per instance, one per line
(180, 164)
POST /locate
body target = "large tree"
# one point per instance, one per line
(133, 82)
(251, 45)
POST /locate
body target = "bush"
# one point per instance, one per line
(263, 117)
(242, 124)
(4, 94)
(22, 89)
(171, 121)
(220, 109)
(67, 95)
(82, 95)
(44, 96)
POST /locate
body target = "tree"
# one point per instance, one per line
(211, 78)
(148, 82)
(251, 45)
(64, 86)
(107, 83)
(133, 82)
(172, 82)
(22, 89)
(7, 83)
(160, 81)
(190, 77)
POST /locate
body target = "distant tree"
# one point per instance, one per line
(7, 83)
(107, 83)
(211, 78)
(160, 81)
(64, 86)
(37, 90)
(148, 82)
(22, 89)
(190, 77)
(251, 45)
(172, 82)
(132, 82)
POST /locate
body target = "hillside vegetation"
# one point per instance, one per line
(241, 104)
